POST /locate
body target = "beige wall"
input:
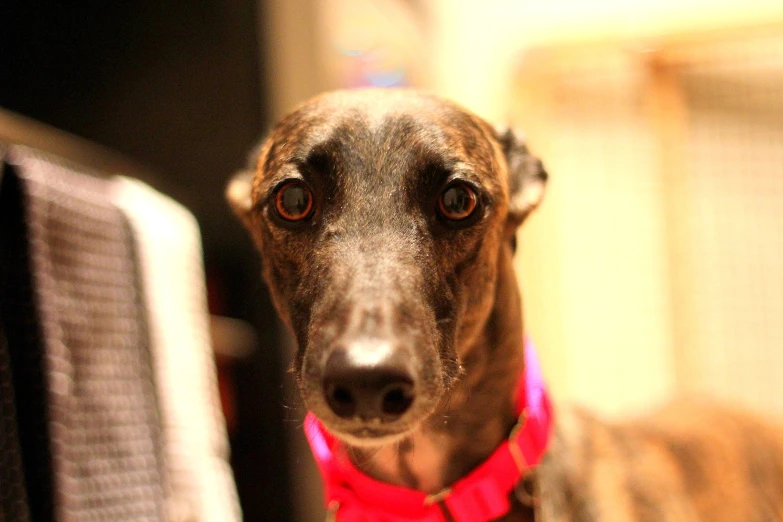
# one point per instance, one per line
(476, 46)
(593, 263)
(622, 319)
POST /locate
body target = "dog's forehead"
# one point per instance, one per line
(383, 115)
(375, 106)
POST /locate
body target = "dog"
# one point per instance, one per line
(386, 223)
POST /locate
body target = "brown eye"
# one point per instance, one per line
(457, 202)
(293, 201)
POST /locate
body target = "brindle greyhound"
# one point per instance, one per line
(386, 224)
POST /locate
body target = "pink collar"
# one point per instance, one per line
(480, 496)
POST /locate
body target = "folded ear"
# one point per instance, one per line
(526, 178)
(239, 195)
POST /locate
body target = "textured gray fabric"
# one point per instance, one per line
(103, 419)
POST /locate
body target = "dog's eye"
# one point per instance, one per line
(457, 202)
(293, 201)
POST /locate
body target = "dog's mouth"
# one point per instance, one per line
(358, 433)
(371, 437)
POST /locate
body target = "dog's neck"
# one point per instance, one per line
(478, 413)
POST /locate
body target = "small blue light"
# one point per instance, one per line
(386, 78)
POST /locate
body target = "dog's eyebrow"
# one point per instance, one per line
(321, 153)
(320, 158)
(316, 161)
(446, 166)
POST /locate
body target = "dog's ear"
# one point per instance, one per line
(526, 178)
(239, 195)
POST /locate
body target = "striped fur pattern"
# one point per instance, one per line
(687, 462)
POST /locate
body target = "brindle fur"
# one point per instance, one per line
(375, 261)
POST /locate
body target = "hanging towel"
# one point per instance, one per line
(200, 482)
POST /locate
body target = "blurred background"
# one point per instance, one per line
(654, 267)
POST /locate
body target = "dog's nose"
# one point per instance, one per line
(368, 380)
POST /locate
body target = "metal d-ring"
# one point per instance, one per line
(528, 492)
(331, 511)
(513, 447)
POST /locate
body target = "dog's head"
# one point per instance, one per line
(380, 216)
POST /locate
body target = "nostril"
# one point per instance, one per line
(342, 395)
(341, 401)
(396, 400)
